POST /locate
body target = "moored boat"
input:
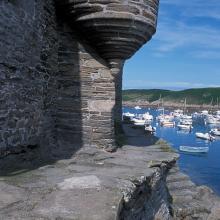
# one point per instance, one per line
(186, 121)
(150, 128)
(137, 107)
(215, 131)
(128, 116)
(178, 113)
(210, 119)
(167, 123)
(147, 116)
(191, 149)
(184, 127)
(205, 136)
(139, 122)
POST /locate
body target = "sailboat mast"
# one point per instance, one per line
(211, 104)
(162, 106)
(184, 109)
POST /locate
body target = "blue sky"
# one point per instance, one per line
(184, 52)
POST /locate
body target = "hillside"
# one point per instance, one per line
(193, 96)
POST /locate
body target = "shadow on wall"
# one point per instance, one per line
(61, 121)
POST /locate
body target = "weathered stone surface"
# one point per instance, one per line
(116, 29)
(130, 184)
(28, 54)
(61, 67)
(190, 201)
(92, 185)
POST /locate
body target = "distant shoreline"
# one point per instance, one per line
(170, 105)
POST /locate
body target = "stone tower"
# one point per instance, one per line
(116, 29)
(61, 68)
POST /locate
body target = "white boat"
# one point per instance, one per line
(128, 115)
(194, 149)
(178, 113)
(163, 117)
(210, 119)
(201, 114)
(184, 127)
(139, 122)
(186, 117)
(137, 107)
(215, 131)
(147, 116)
(186, 121)
(205, 136)
(204, 112)
(167, 123)
(150, 128)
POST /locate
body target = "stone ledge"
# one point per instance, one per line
(129, 184)
(92, 185)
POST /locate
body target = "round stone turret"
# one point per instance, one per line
(115, 28)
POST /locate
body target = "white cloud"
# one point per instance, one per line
(196, 37)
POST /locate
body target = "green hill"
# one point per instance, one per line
(193, 96)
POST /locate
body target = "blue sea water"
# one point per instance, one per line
(204, 169)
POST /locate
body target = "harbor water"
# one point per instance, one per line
(204, 169)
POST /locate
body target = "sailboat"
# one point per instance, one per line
(185, 120)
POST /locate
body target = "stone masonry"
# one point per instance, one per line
(61, 67)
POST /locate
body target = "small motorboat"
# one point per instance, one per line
(137, 107)
(215, 131)
(205, 136)
(210, 119)
(184, 127)
(128, 116)
(147, 116)
(186, 121)
(139, 122)
(167, 123)
(150, 128)
(190, 149)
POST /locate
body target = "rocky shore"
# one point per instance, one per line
(136, 182)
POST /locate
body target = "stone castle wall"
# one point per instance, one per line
(61, 69)
(86, 94)
(28, 54)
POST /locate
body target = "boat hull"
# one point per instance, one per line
(190, 149)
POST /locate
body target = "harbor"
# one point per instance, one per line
(202, 167)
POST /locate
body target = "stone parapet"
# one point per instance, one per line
(117, 29)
